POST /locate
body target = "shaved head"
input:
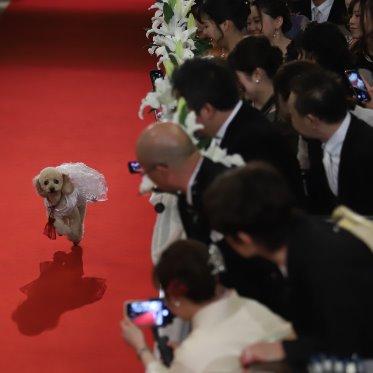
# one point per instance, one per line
(164, 144)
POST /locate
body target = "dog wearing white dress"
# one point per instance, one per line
(66, 190)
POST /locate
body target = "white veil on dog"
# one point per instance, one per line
(90, 183)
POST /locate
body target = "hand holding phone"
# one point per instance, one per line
(358, 86)
(152, 312)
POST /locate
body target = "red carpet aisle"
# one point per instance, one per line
(72, 73)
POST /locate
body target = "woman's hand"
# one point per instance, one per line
(132, 334)
(262, 352)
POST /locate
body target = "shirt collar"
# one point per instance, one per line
(323, 7)
(223, 129)
(217, 311)
(189, 196)
(334, 144)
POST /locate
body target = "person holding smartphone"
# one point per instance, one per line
(222, 321)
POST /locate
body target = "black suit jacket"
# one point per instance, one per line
(355, 179)
(331, 279)
(194, 220)
(337, 15)
(253, 137)
(254, 278)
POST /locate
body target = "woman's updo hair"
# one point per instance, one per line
(276, 8)
(184, 270)
(255, 52)
(219, 11)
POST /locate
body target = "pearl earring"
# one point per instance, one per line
(176, 303)
(257, 81)
(275, 35)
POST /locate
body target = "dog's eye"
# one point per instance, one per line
(46, 182)
(56, 181)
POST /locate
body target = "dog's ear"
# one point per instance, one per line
(37, 186)
(68, 186)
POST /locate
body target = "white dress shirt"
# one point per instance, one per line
(220, 331)
(223, 129)
(321, 13)
(332, 154)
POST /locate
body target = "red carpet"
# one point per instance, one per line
(72, 73)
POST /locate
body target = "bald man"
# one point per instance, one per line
(170, 159)
(175, 165)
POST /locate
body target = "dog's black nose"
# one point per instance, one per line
(51, 189)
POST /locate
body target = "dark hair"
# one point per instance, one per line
(351, 7)
(286, 73)
(201, 81)
(196, 9)
(327, 45)
(321, 94)
(254, 199)
(219, 11)
(255, 52)
(186, 262)
(276, 8)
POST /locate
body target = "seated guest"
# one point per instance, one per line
(225, 22)
(326, 45)
(254, 21)
(330, 271)
(170, 159)
(363, 49)
(209, 88)
(354, 25)
(222, 322)
(319, 110)
(276, 22)
(255, 62)
(320, 11)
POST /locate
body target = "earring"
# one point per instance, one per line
(275, 35)
(257, 81)
(176, 303)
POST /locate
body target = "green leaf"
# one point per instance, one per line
(172, 3)
(168, 12)
(182, 110)
(191, 21)
(169, 67)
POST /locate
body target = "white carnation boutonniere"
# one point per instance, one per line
(219, 155)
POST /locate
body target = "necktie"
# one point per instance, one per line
(331, 172)
(317, 15)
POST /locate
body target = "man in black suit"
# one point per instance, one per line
(175, 165)
(320, 11)
(330, 271)
(170, 159)
(341, 155)
(210, 89)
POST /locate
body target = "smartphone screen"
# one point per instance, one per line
(151, 312)
(134, 167)
(358, 86)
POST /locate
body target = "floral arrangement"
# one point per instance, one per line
(174, 40)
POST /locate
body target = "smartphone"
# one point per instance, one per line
(134, 167)
(358, 86)
(154, 75)
(152, 312)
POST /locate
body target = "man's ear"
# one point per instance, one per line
(37, 186)
(67, 187)
(312, 121)
(242, 243)
(207, 111)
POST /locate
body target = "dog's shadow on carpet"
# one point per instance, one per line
(59, 288)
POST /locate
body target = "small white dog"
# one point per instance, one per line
(67, 189)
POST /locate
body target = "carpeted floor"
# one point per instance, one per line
(72, 73)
